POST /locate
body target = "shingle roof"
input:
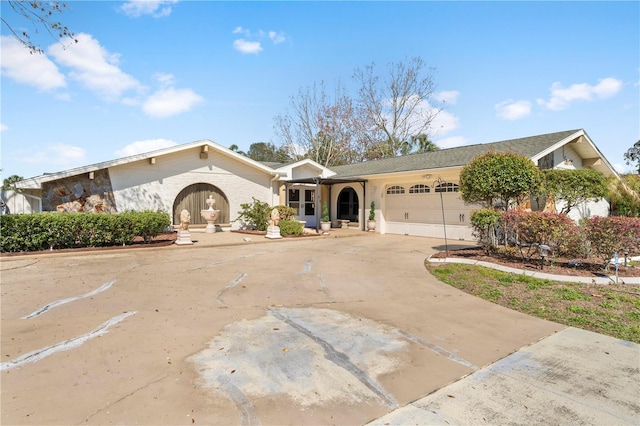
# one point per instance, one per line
(451, 157)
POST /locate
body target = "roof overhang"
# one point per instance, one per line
(204, 145)
(326, 181)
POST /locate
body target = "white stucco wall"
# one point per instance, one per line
(20, 203)
(141, 185)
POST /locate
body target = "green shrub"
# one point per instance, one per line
(485, 222)
(528, 230)
(286, 212)
(255, 215)
(608, 235)
(325, 213)
(149, 224)
(44, 231)
(290, 227)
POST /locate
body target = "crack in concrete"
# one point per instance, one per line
(324, 288)
(229, 287)
(340, 359)
(438, 349)
(307, 266)
(42, 353)
(51, 305)
(123, 398)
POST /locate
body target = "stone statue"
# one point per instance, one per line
(185, 218)
(275, 217)
(184, 236)
(273, 231)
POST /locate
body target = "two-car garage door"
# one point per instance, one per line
(416, 210)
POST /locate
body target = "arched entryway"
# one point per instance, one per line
(193, 198)
(348, 207)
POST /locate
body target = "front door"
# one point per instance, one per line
(348, 207)
(303, 200)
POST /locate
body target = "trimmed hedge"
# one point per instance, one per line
(45, 231)
(290, 227)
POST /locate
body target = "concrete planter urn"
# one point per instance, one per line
(325, 227)
(210, 215)
(371, 225)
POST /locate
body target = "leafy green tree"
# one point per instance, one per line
(9, 184)
(236, 148)
(423, 144)
(265, 151)
(574, 187)
(39, 14)
(498, 180)
(633, 156)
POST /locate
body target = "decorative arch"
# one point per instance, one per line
(348, 205)
(193, 198)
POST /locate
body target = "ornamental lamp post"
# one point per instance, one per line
(544, 252)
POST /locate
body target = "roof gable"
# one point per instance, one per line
(205, 145)
(532, 147)
(304, 169)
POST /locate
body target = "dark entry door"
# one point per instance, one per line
(348, 207)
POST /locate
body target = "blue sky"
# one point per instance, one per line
(149, 74)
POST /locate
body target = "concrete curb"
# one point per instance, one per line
(606, 279)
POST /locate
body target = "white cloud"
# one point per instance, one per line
(155, 8)
(165, 79)
(139, 147)
(444, 123)
(447, 96)
(561, 98)
(244, 46)
(59, 154)
(451, 142)
(170, 101)
(251, 43)
(3, 127)
(35, 70)
(510, 110)
(276, 38)
(94, 67)
(240, 30)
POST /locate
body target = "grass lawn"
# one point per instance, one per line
(613, 310)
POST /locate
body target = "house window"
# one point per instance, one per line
(546, 162)
(447, 187)
(395, 189)
(419, 189)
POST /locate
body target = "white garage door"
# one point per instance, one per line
(416, 210)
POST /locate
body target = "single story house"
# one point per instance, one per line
(412, 193)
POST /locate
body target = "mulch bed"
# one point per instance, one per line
(558, 266)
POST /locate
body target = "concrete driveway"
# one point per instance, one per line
(305, 331)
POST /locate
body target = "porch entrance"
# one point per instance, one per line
(348, 206)
(193, 198)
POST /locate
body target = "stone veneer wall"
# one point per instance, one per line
(80, 194)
